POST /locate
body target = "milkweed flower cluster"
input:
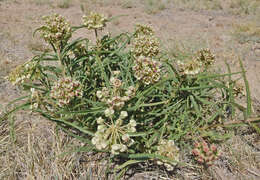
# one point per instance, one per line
(145, 43)
(143, 30)
(65, 90)
(117, 96)
(94, 21)
(35, 98)
(56, 29)
(238, 90)
(205, 57)
(22, 73)
(168, 149)
(190, 67)
(204, 153)
(197, 64)
(114, 136)
(147, 70)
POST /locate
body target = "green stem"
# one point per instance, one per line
(96, 34)
(59, 58)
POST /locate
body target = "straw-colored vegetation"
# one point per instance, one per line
(125, 103)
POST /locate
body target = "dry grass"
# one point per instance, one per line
(247, 32)
(42, 2)
(64, 3)
(6, 64)
(242, 155)
(237, 7)
(32, 148)
(155, 6)
(199, 4)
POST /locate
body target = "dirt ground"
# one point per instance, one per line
(177, 26)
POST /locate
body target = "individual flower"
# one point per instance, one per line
(115, 82)
(123, 115)
(100, 120)
(132, 125)
(116, 102)
(117, 148)
(126, 137)
(168, 149)
(204, 153)
(115, 73)
(99, 94)
(146, 70)
(113, 136)
(103, 94)
(25, 72)
(109, 112)
(56, 29)
(94, 21)
(131, 90)
(66, 89)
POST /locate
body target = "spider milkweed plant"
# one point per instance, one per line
(121, 94)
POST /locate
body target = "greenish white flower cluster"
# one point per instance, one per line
(56, 29)
(145, 43)
(35, 98)
(114, 136)
(117, 96)
(22, 73)
(238, 90)
(94, 21)
(143, 30)
(190, 67)
(147, 70)
(65, 90)
(168, 149)
(206, 57)
(200, 62)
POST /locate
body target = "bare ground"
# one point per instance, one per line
(177, 28)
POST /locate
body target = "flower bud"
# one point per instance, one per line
(109, 112)
(125, 137)
(99, 94)
(100, 120)
(123, 115)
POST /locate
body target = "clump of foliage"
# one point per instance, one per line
(122, 94)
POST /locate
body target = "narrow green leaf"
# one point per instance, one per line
(248, 94)
(128, 163)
